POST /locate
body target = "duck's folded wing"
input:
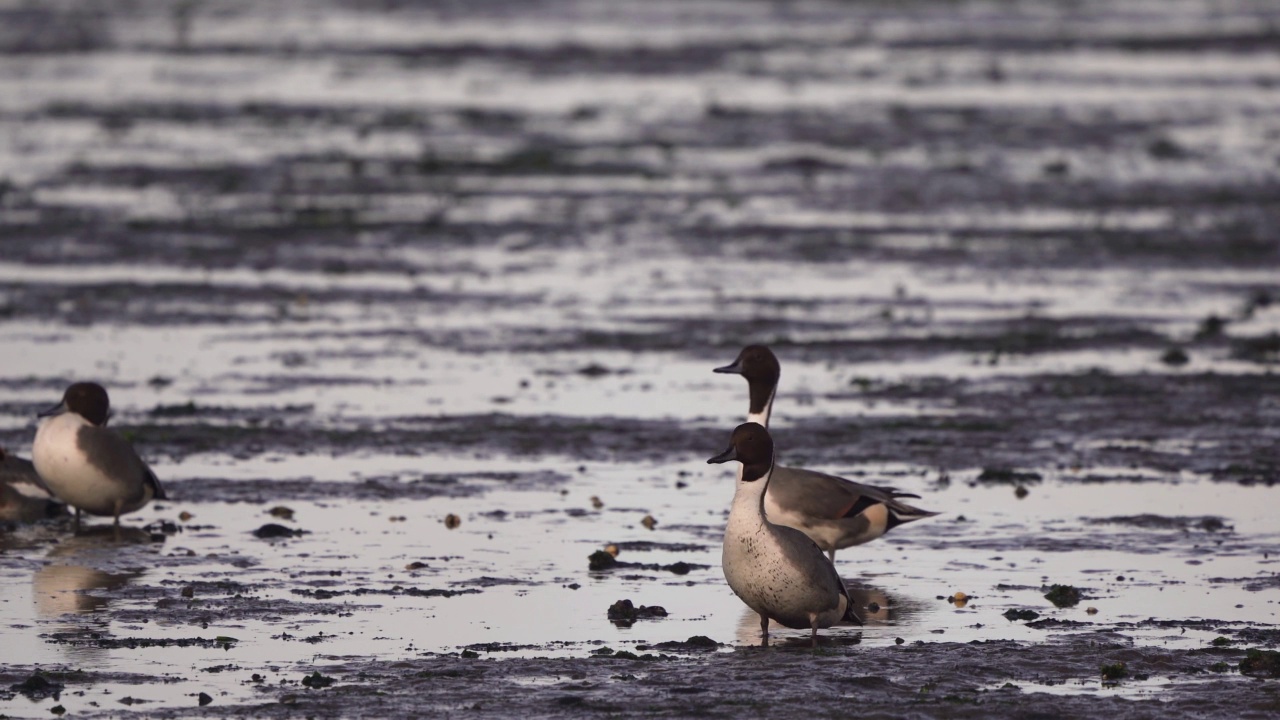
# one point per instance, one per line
(115, 457)
(820, 495)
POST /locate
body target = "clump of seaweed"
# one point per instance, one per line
(1263, 663)
(1063, 596)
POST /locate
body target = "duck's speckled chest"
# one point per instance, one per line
(774, 578)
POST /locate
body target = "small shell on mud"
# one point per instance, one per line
(648, 522)
(596, 502)
(959, 599)
(415, 565)
(1021, 491)
(452, 521)
(184, 516)
(611, 549)
(1091, 610)
(281, 512)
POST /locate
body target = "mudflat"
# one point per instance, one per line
(414, 309)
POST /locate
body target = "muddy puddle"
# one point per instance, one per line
(413, 310)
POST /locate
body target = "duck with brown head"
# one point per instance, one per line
(776, 570)
(86, 465)
(834, 512)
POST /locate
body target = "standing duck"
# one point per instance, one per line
(85, 464)
(776, 570)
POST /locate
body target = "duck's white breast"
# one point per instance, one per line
(65, 468)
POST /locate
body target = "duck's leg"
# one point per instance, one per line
(76, 526)
(813, 627)
(764, 631)
(831, 555)
(117, 530)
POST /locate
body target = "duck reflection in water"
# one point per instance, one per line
(877, 607)
(64, 586)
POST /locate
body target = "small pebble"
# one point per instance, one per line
(204, 699)
(1091, 610)
(611, 549)
(452, 521)
(281, 512)
(415, 565)
(898, 641)
(184, 516)
(596, 502)
(648, 522)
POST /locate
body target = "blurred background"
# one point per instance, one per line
(383, 262)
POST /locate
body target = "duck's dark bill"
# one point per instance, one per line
(55, 410)
(734, 367)
(726, 456)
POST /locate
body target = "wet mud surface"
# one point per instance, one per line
(414, 310)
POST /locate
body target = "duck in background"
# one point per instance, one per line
(23, 496)
(834, 512)
(87, 465)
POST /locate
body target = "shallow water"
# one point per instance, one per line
(381, 265)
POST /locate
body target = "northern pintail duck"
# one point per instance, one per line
(87, 465)
(23, 497)
(836, 513)
(776, 570)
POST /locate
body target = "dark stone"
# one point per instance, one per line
(1063, 596)
(625, 613)
(601, 560)
(271, 531)
(1021, 614)
(315, 680)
